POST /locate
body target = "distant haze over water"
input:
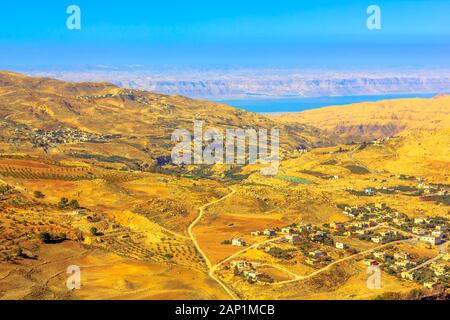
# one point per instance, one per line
(302, 104)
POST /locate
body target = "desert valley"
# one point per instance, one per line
(86, 180)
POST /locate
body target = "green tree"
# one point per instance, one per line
(45, 236)
(39, 195)
(94, 231)
(73, 204)
(63, 202)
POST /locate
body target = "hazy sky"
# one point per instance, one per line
(313, 33)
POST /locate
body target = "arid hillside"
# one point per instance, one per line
(85, 181)
(135, 124)
(373, 120)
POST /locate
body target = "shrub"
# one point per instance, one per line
(39, 195)
(168, 256)
(47, 237)
(5, 189)
(94, 231)
(19, 252)
(73, 204)
(330, 163)
(80, 236)
(63, 203)
(357, 169)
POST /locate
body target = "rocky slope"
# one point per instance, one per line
(84, 118)
(264, 83)
(372, 120)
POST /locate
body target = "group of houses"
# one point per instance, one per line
(248, 271)
(430, 231)
(124, 94)
(430, 276)
(364, 218)
(316, 258)
(294, 232)
(47, 139)
(395, 263)
(433, 189)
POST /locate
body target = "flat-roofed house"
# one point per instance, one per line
(341, 245)
(292, 238)
(317, 254)
(287, 230)
(407, 275)
(270, 232)
(431, 239)
(238, 242)
(419, 231)
(377, 239)
(401, 255)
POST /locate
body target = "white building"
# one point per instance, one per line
(421, 221)
(431, 239)
(341, 245)
(240, 264)
(377, 239)
(287, 230)
(238, 242)
(270, 232)
(437, 233)
(380, 255)
(292, 238)
(419, 231)
(317, 254)
(401, 256)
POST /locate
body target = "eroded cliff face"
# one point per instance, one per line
(230, 84)
(374, 120)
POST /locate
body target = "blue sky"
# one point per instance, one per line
(313, 33)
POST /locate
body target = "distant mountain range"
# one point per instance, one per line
(263, 83)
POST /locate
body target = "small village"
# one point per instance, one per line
(377, 224)
(48, 139)
(126, 93)
(428, 192)
(17, 135)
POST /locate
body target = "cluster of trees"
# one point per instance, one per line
(47, 237)
(357, 169)
(5, 190)
(94, 231)
(280, 253)
(39, 195)
(64, 203)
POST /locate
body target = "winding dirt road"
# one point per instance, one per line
(192, 236)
